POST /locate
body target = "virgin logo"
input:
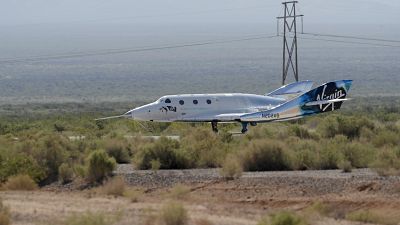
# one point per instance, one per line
(335, 95)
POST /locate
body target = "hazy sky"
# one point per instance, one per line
(33, 12)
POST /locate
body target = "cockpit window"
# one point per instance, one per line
(167, 100)
(181, 102)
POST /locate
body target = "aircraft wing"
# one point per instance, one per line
(225, 117)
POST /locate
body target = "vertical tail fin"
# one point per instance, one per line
(325, 98)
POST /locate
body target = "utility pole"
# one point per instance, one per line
(289, 41)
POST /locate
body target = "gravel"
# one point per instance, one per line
(312, 182)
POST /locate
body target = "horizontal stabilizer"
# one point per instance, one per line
(292, 90)
(322, 102)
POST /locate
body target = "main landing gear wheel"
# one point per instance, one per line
(244, 127)
(214, 126)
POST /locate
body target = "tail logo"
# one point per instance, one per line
(335, 95)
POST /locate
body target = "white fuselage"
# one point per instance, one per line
(203, 107)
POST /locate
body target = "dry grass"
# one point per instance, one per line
(179, 191)
(4, 214)
(133, 195)
(385, 217)
(231, 168)
(115, 187)
(174, 213)
(90, 218)
(20, 183)
(283, 218)
(203, 221)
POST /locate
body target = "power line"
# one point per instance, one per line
(130, 50)
(350, 37)
(350, 42)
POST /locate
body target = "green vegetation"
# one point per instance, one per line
(100, 166)
(65, 173)
(282, 218)
(60, 143)
(374, 216)
(231, 168)
(174, 213)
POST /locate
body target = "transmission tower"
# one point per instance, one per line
(289, 39)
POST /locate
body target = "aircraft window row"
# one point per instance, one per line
(181, 102)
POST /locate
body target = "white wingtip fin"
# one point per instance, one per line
(322, 102)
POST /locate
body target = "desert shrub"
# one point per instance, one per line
(329, 157)
(59, 127)
(80, 171)
(301, 132)
(174, 213)
(350, 126)
(330, 153)
(387, 162)
(328, 127)
(345, 166)
(283, 218)
(386, 137)
(165, 150)
(100, 166)
(231, 168)
(49, 151)
(4, 214)
(155, 164)
(65, 173)
(265, 155)
(179, 191)
(14, 164)
(90, 218)
(318, 208)
(364, 216)
(304, 154)
(359, 155)
(205, 148)
(115, 186)
(118, 149)
(20, 183)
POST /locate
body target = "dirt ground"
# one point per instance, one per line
(213, 200)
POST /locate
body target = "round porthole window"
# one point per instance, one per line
(208, 101)
(195, 102)
(181, 102)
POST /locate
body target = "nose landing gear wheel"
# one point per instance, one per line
(214, 126)
(244, 127)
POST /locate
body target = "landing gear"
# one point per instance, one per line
(214, 126)
(253, 124)
(244, 127)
